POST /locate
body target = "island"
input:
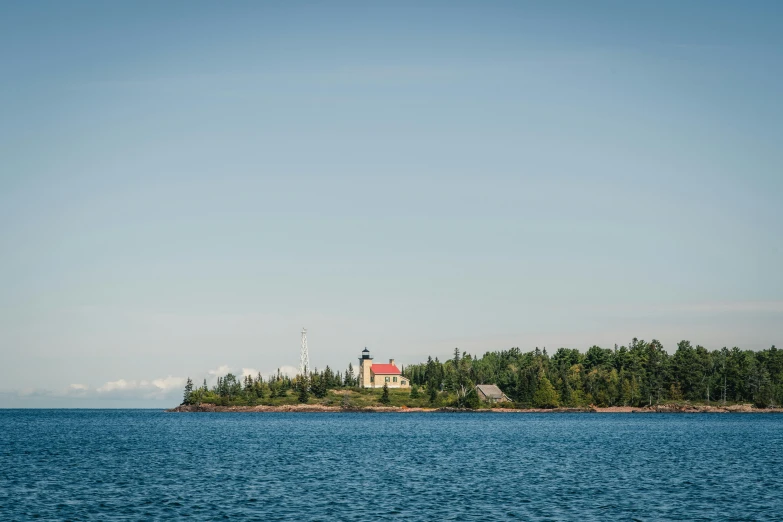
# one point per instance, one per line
(638, 378)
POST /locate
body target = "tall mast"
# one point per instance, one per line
(304, 355)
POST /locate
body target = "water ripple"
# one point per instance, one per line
(143, 464)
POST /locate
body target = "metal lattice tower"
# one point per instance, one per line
(304, 355)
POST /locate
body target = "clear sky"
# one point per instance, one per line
(185, 185)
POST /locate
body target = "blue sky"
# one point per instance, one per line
(184, 185)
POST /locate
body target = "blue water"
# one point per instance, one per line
(144, 464)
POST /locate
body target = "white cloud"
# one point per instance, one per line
(290, 371)
(162, 387)
(169, 383)
(77, 390)
(220, 371)
(168, 388)
(120, 384)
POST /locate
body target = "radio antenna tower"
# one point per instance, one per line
(304, 356)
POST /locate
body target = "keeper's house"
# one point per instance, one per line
(376, 375)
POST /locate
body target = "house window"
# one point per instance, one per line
(403, 383)
(372, 378)
(387, 379)
(395, 379)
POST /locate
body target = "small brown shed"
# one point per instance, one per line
(491, 393)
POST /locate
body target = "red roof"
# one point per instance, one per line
(385, 369)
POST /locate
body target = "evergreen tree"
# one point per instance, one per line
(433, 393)
(319, 385)
(232, 388)
(636, 375)
(385, 395)
(349, 379)
(328, 378)
(188, 391)
(429, 371)
(304, 392)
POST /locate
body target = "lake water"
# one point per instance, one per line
(144, 464)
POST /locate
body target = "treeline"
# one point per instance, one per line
(251, 390)
(639, 374)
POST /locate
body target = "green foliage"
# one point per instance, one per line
(638, 374)
(433, 393)
(319, 384)
(467, 399)
(546, 395)
(303, 386)
(186, 397)
(350, 379)
(385, 400)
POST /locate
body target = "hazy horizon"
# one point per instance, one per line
(184, 186)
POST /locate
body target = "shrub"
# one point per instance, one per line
(385, 400)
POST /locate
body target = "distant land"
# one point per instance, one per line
(641, 377)
(321, 408)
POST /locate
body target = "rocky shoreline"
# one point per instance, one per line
(318, 408)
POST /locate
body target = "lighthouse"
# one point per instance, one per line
(365, 375)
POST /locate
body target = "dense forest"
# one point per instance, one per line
(640, 374)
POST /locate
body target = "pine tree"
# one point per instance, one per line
(319, 385)
(433, 392)
(304, 392)
(414, 392)
(349, 379)
(188, 391)
(385, 395)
